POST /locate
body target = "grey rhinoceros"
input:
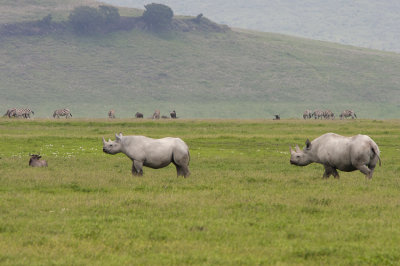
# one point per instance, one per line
(334, 151)
(153, 153)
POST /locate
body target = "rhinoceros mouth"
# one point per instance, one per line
(109, 151)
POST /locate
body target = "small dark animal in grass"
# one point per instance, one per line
(164, 117)
(173, 114)
(153, 153)
(35, 161)
(277, 117)
(334, 151)
(156, 114)
(138, 115)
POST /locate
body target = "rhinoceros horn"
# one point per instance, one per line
(297, 148)
(104, 141)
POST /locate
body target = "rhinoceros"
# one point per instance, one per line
(334, 152)
(153, 153)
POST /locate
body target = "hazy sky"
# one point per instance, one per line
(366, 23)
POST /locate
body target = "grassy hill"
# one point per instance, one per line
(236, 74)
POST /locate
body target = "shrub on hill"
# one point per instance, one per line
(110, 14)
(86, 20)
(158, 16)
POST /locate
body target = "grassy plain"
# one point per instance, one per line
(243, 204)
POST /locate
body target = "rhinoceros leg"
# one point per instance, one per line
(137, 168)
(178, 170)
(329, 170)
(186, 171)
(182, 170)
(181, 162)
(365, 170)
(335, 173)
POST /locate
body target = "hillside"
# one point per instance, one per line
(366, 23)
(236, 74)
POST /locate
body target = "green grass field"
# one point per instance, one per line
(243, 204)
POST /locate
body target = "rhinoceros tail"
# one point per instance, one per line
(380, 164)
(376, 151)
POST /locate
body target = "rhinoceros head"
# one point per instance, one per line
(301, 157)
(113, 147)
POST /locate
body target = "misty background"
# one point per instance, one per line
(365, 23)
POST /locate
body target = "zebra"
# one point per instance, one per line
(21, 112)
(318, 114)
(348, 113)
(111, 114)
(328, 114)
(9, 112)
(156, 114)
(62, 112)
(307, 114)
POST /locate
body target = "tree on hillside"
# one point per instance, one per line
(85, 19)
(157, 16)
(110, 14)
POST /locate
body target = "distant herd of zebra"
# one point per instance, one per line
(327, 114)
(308, 114)
(19, 112)
(26, 113)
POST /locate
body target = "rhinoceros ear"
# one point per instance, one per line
(308, 144)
